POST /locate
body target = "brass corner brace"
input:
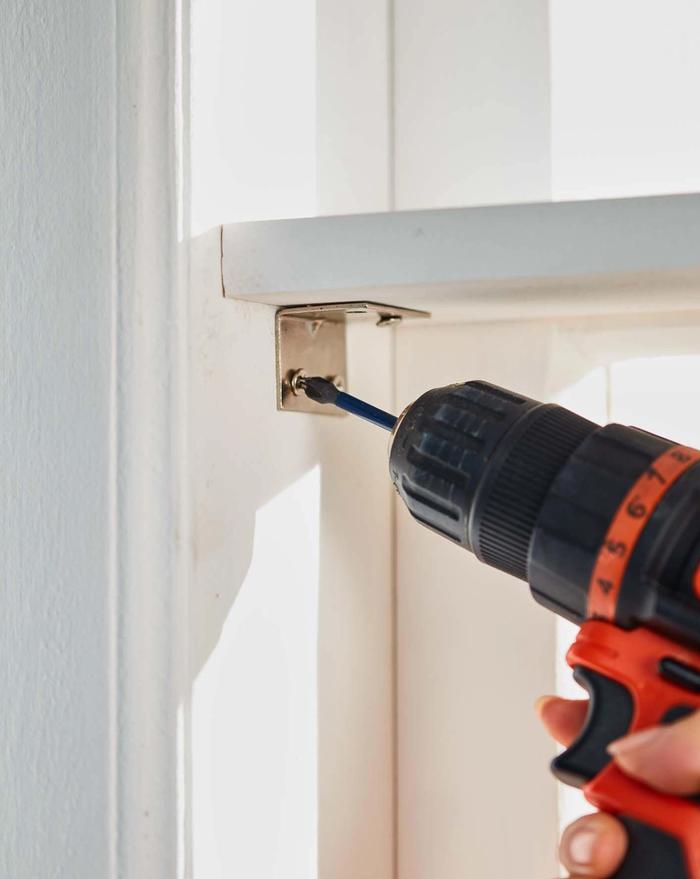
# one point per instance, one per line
(310, 340)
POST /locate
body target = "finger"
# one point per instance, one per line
(593, 846)
(562, 718)
(666, 758)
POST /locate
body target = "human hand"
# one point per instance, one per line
(666, 758)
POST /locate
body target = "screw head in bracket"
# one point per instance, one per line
(387, 320)
(296, 381)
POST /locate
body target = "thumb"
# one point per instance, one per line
(666, 758)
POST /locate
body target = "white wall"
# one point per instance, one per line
(471, 98)
(367, 106)
(374, 105)
(57, 257)
(92, 545)
(291, 609)
(624, 79)
(290, 109)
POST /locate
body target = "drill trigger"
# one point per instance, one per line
(610, 713)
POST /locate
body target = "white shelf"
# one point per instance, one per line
(514, 259)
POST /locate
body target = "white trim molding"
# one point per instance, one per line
(151, 560)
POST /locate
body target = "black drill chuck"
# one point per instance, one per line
(475, 462)
(532, 489)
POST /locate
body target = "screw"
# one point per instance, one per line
(386, 320)
(296, 381)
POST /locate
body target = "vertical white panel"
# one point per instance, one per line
(253, 110)
(471, 102)
(353, 94)
(289, 109)
(625, 82)
(292, 724)
(474, 652)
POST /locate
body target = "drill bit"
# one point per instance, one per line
(323, 391)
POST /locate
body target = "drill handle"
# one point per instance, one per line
(635, 679)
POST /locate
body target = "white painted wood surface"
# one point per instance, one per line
(624, 82)
(290, 109)
(354, 114)
(152, 546)
(641, 248)
(472, 102)
(252, 65)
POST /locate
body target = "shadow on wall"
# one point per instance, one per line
(245, 453)
(254, 689)
(290, 607)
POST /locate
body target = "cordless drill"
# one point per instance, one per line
(604, 525)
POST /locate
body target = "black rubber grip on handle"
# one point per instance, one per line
(651, 854)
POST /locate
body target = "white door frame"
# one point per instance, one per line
(151, 545)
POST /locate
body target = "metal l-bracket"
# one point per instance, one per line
(310, 340)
